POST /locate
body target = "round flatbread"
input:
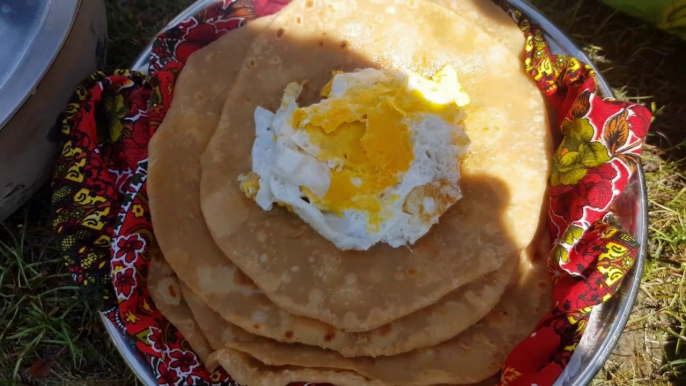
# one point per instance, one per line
(166, 294)
(248, 371)
(473, 356)
(488, 16)
(173, 183)
(503, 182)
(173, 186)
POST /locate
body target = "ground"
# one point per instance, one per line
(49, 335)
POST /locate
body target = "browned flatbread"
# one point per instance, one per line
(248, 371)
(305, 274)
(166, 294)
(214, 283)
(489, 17)
(471, 357)
(437, 323)
(174, 196)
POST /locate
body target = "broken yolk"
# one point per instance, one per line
(365, 133)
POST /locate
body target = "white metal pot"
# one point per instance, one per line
(47, 47)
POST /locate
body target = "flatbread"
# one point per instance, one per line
(437, 323)
(216, 330)
(471, 357)
(488, 16)
(164, 287)
(248, 371)
(173, 187)
(305, 274)
(166, 294)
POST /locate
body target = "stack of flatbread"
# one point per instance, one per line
(266, 297)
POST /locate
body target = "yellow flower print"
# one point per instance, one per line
(577, 153)
(116, 108)
(138, 211)
(130, 317)
(509, 374)
(216, 376)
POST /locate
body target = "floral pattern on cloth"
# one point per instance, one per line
(99, 201)
(591, 253)
(103, 223)
(100, 150)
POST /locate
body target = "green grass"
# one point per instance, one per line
(42, 313)
(651, 350)
(43, 316)
(133, 23)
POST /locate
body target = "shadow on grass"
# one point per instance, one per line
(675, 355)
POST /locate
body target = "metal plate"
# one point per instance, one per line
(607, 321)
(32, 33)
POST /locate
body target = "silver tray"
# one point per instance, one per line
(607, 321)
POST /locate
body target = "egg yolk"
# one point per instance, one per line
(366, 133)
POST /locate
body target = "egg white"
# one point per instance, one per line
(286, 160)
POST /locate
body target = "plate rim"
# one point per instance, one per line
(572, 375)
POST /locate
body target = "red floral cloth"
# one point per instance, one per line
(100, 202)
(102, 219)
(599, 152)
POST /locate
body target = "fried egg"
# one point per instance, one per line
(377, 160)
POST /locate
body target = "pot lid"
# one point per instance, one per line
(31, 35)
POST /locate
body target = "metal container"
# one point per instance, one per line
(607, 321)
(47, 47)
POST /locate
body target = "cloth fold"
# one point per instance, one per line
(102, 219)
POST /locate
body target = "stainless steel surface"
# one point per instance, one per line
(607, 321)
(32, 33)
(47, 47)
(141, 63)
(132, 357)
